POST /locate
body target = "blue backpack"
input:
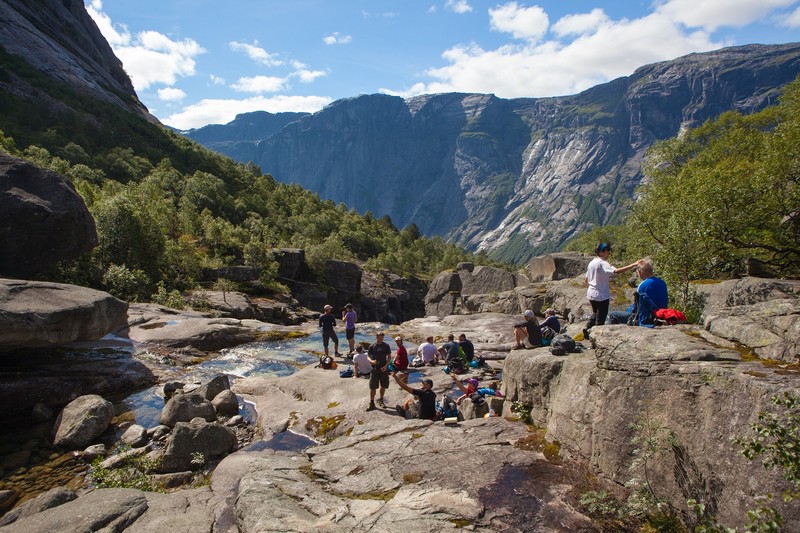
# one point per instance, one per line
(346, 373)
(447, 407)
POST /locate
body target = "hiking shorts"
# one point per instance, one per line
(327, 336)
(350, 333)
(378, 378)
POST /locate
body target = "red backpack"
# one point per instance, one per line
(671, 316)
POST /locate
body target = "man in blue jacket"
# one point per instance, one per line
(651, 295)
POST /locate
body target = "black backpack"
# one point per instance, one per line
(562, 345)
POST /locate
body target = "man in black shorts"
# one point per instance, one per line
(379, 357)
(427, 399)
(327, 322)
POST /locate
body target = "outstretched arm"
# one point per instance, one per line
(626, 268)
(458, 384)
(400, 382)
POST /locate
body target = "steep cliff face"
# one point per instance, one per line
(60, 39)
(515, 177)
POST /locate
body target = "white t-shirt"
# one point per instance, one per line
(597, 275)
(362, 360)
(427, 351)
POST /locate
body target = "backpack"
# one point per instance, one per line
(671, 316)
(447, 407)
(548, 333)
(562, 345)
(346, 373)
(326, 362)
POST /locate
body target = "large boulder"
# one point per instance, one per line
(226, 403)
(592, 404)
(291, 262)
(389, 298)
(762, 314)
(35, 314)
(43, 220)
(186, 407)
(215, 385)
(81, 421)
(193, 443)
(225, 303)
(553, 267)
(174, 328)
(444, 294)
(47, 500)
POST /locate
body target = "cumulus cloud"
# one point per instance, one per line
(337, 38)
(792, 20)
(216, 80)
(307, 76)
(605, 49)
(256, 53)
(149, 57)
(528, 23)
(458, 6)
(259, 84)
(711, 15)
(580, 23)
(218, 111)
(171, 94)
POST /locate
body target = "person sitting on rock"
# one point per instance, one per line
(466, 345)
(425, 395)
(400, 360)
(427, 353)
(363, 368)
(651, 295)
(527, 331)
(469, 390)
(451, 353)
(550, 321)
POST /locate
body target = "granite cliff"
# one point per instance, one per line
(514, 177)
(60, 40)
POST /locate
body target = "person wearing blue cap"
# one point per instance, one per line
(597, 278)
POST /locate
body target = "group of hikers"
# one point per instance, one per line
(377, 363)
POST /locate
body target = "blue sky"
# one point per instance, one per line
(199, 62)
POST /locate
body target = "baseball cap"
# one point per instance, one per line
(528, 313)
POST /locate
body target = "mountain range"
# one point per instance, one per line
(513, 177)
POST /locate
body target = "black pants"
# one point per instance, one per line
(599, 313)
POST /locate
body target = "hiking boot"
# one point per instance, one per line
(400, 410)
(382, 403)
(371, 407)
(585, 334)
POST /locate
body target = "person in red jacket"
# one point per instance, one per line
(400, 361)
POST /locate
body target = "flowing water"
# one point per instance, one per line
(30, 465)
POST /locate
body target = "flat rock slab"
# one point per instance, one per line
(39, 314)
(157, 325)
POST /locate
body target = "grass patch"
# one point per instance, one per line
(536, 441)
(281, 335)
(412, 477)
(308, 470)
(385, 495)
(332, 405)
(460, 522)
(323, 426)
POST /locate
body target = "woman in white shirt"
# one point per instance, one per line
(597, 279)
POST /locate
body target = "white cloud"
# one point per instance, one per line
(711, 15)
(171, 94)
(307, 76)
(256, 53)
(607, 51)
(149, 57)
(792, 20)
(337, 38)
(529, 23)
(216, 80)
(458, 6)
(223, 111)
(259, 84)
(581, 23)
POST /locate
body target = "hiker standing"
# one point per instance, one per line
(597, 278)
(349, 317)
(379, 354)
(327, 322)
